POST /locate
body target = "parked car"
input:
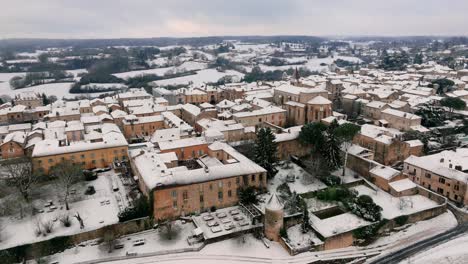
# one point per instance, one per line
(139, 242)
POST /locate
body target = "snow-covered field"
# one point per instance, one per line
(312, 64)
(202, 76)
(186, 66)
(396, 206)
(94, 209)
(58, 89)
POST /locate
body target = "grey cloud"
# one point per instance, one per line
(146, 18)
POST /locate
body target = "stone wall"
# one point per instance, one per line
(60, 243)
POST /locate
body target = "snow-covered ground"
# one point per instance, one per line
(396, 206)
(104, 85)
(202, 76)
(451, 252)
(414, 232)
(58, 89)
(312, 64)
(97, 210)
(186, 66)
(298, 239)
(155, 241)
(303, 181)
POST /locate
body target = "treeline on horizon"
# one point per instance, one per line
(32, 44)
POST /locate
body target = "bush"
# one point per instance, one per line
(65, 220)
(140, 209)
(369, 232)
(48, 227)
(284, 189)
(364, 207)
(248, 195)
(401, 220)
(90, 190)
(89, 175)
(335, 194)
(331, 180)
(283, 233)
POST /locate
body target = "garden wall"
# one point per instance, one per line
(60, 243)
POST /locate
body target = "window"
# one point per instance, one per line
(94, 161)
(185, 196)
(211, 187)
(440, 190)
(253, 177)
(237, 180)
(229, 193)
(51, 160)
(441, 180)
(202, 199)
(260, 177)
(229, 184)
(428, 175)
(92, 155)
(220, 195)
(220, 184)
(174, 204)
(456, 187)
(82, 156)
(174, 194)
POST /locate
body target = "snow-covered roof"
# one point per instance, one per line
(274, 203)
(444, 163)
(319, 100)
(155, 172)
(402, 185)
(384, 172)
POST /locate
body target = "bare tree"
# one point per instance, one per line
(21, 177)
(80, 220)
(67, 173)
(109, 237)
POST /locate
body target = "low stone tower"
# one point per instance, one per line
(274, 213)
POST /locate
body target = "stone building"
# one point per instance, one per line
(274, 218)
(445, 173)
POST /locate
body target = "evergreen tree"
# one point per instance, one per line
(418, 59)
(346, 133)
(45, 100)
(266, 151)
(453, 103)
(331, 149)
(313, 134)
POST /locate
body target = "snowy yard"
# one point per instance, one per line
(297, 239)
(155, 241)
(396, 206)
(96, 210)
(296, 178)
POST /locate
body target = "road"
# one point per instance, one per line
(408, 251)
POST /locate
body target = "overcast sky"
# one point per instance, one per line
(188, 18)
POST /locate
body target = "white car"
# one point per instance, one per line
(139, 242)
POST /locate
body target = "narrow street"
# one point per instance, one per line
(399, 255)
